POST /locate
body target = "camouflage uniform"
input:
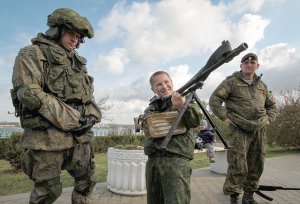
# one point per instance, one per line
(251, 108)
(168, 171)
(55, 78)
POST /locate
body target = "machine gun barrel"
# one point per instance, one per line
(222, 55)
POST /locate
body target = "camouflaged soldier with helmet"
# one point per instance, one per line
(249, 108)
(53, 96)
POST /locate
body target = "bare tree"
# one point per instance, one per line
(290, 97)
(105, 106)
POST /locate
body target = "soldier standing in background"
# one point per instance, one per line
(53, 95)
(249, 108)
(168, 171)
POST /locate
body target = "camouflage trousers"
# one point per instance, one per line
(168, 180)
(245, 160)
(44, 168)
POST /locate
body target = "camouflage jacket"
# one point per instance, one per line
(250, 107)
(182, 144)
(58, 112)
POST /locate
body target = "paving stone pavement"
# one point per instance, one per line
(206, 187)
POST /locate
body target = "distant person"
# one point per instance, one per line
(53, 95)
(168, 172)
(206, 140)
(249, 108)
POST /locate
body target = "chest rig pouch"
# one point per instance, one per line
(66, 76)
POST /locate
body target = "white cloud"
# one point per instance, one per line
(124, 19)
(163, 31)
(240, 6)
(180, 75)
(124, 112)
(167, 30)
(250, 29)
(278, 56)
(113, 63)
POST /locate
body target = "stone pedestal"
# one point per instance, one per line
(220, 165)
(126, 171)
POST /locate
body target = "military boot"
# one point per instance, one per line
(234, 198)
(248, 198)
(81, 199)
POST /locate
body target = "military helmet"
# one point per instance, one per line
(71, 20)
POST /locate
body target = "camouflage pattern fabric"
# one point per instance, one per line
(58, 114)
(168, 171)
(71, 19)
(64, 95)
(251, 108)
(245, 160)
(44, 168)
(168, 180)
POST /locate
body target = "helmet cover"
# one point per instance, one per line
(71, 20)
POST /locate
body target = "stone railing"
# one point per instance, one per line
(126, 171)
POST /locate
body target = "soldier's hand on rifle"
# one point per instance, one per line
(177, 100)
(86, 123)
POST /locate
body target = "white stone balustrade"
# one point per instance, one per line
(126, 171)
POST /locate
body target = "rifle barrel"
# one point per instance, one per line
(224, 54)
(274, 188)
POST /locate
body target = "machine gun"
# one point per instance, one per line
(271, 188)
(223, 54)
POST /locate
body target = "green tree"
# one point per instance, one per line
(285, 130)
(15, 154)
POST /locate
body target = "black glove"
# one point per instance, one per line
(87, 122)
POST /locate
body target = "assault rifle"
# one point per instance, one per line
(271, 188)
(223, 54)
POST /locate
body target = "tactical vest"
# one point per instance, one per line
(66, 77)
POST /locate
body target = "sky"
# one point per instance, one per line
(133, 39)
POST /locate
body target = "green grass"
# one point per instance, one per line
(17, 182)
(280, 151)
(12, 182)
